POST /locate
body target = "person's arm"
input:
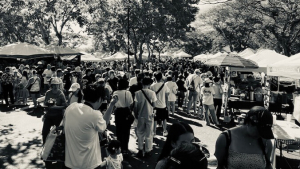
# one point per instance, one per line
(109, 110)
(103, 164)
(270, 153)
(220, 151)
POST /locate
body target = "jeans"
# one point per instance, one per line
(49, 122)
(211, 109)
(218, 106)
(145, 132)
(8, 90)
(122, 127)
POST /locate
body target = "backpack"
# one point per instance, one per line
(191, 86)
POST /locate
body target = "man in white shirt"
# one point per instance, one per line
(193, 82)
(133, 80)
(82, 123)
(162, 93)
(47, 74)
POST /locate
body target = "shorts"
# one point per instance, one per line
(192, 94)
(161, 114)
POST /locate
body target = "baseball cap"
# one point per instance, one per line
(39, 63)
(54, 80)
(207, 80)
(197, 71)
(101, 80)
(263, 119)
(74, 87)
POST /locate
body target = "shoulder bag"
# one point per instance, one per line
(29, 86)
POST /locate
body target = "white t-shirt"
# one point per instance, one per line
(132, 81)
(73, 98)
(144, 108)
(112, 163)
(161, 96)
(82, 124)
(48, 74)
(207, 93)
(197, 81)
(173, 89)
(122, 102)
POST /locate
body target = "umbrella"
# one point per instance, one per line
(24, 51)
(63, 51)
(231, 61)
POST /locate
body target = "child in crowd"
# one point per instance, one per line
(75, 94)
(115, 158)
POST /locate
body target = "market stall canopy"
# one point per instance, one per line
(89, 58)
(231, 60)
(166, 54)
(116, 56)
(265, 57)
(181, 54)
(24, 51)
(63, 51)
(247, 52)
(289, 67)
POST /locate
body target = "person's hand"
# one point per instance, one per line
(114, 99)
(43, 118)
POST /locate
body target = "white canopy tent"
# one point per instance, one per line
(289, 67)
(116, 56)
(263, 58)
(89, 58)
(247, 52)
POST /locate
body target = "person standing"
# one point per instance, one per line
(207, 96)
(218, 96)
(133, 80)
(172, 96)
(82, 123)
(162, 92)
(143, 110)
(181, 90)
(23, 92)
(7, 86)
(193, 82)
(112, 80)
(35, 89)
(123, 115)
(47, 74)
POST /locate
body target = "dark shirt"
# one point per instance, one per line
(113, 83)
(6, 79)
(67, 80)
(134, 88)
(180, 85)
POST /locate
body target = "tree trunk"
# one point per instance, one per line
(140, 56)
(59, 36)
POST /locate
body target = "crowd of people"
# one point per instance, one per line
(85, 97)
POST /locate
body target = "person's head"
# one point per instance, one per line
(137, 71)
(59, 73)
(207, 82)
(25, 74)
(158, 76)
(186, 155)
(147, 82)
(21, 67)
(197, 72)
(48, 66)
(140, 77)
(203, 76)
(98, 76)
(111, 74)
(75, 87)
(34, 72)
(123, 84)
(114, 147)
(169, 78)
(88, 72)
(94, 94)
(7, 69)
(259, 122)
(54, 83)
(178, 133)
(217, 80)
(53, 68)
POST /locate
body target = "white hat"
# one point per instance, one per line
(55, 80)
(39, 63)
(207, 80)
(74, 87)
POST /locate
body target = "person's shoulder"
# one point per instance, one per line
(160, 164)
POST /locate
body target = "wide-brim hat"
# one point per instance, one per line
(54, 80)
